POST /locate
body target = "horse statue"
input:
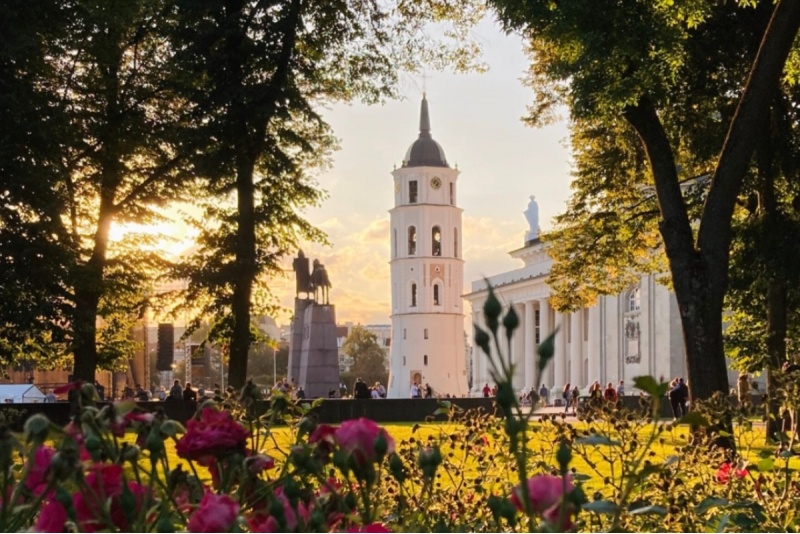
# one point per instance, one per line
(321, 282)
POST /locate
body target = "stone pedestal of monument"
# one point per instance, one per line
(314, 354)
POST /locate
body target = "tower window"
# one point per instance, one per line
(404, 361)
(435, 294)
(452, 194)
(404, 333)
(634, 299)
(425, 359)
(537, 323)
(412, 192)
(412, 240)
(436, 241)
(455, 242)
(394, 242)
(413, 295)
(426, 333)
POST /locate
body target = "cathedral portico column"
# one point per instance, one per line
(560, 358)
(518, 353)
(479, 374)
(576, 348)
(544, 331)
(593, 350)
(530, 345)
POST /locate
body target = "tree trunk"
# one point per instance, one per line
(245, 276)
(777, 288)
(776, 350)
(250, 143)
(88, 292)
(700, 271)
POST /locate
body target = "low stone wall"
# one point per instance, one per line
(331, 411)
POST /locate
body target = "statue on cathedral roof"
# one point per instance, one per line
(532, 214)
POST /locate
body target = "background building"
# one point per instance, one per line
(634, 333)
(426, 271)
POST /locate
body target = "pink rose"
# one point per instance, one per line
(357, 437)
(52, 518)
(215, 433)
(325, 438)
(36, 479)
(106, 483)
(372, 527)
(216, 513)
(544, 491)
(726, 469)
(258, 463)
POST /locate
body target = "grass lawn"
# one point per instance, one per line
(596, 462)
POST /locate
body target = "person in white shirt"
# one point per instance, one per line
(375, 393)
(414, 391)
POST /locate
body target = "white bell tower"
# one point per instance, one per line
(428, 345)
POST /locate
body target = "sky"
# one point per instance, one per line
(476, 118)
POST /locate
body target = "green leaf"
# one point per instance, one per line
(651, 509)
(580, 477)
(767, 464)
(125, 406)
(601, 507)
(172, 428)
(597, 439)
(649, 385)
(694, 418)
(709, 503)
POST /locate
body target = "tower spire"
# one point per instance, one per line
(424, 118)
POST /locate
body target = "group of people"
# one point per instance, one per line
(418, 392)
(362, 391)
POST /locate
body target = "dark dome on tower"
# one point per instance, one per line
(425, 152)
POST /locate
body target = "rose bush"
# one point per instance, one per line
(109, 470)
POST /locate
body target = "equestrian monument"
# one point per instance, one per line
(313, 352)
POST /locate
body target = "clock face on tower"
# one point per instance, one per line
(436, 182)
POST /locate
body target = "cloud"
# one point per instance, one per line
(358, 262)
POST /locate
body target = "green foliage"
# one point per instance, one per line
(368, 359)
(692, 80)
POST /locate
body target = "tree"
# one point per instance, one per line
(103, 154)
(368, 358)
(255, 74)
(630, 59)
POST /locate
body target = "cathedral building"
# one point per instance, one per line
(637, 332)
(426, 272)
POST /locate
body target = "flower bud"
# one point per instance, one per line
(36, 428)
(131, 453)
(482, 339)
(396, 468)
(381, 446)
(492, 310)
(510, 321)
(563, 456)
